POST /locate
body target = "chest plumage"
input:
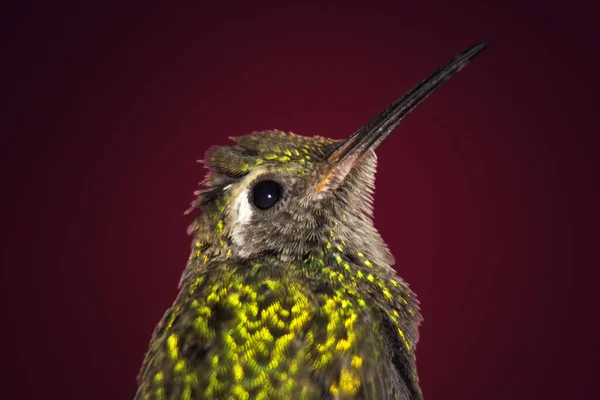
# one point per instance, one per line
(249, 332)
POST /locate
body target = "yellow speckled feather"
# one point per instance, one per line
(246, 335)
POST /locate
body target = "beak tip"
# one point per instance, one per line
(379, 127)
(468, 55)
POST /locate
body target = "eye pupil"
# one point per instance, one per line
(266, 194)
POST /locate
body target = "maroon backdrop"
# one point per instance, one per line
(480, 193)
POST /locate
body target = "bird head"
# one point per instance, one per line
(288, 195)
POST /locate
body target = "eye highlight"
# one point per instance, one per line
(266, 194)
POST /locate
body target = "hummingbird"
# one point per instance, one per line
(289, 291)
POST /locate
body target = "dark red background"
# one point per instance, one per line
(481, 194)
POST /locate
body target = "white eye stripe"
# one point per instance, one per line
(242, 214)
(242, 208)
(240, 211)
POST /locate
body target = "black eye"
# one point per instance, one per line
(266, 194)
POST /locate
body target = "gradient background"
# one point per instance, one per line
(482, 194)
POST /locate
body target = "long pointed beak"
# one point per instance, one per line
(379, 127)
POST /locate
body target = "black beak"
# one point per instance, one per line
(379, 127)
